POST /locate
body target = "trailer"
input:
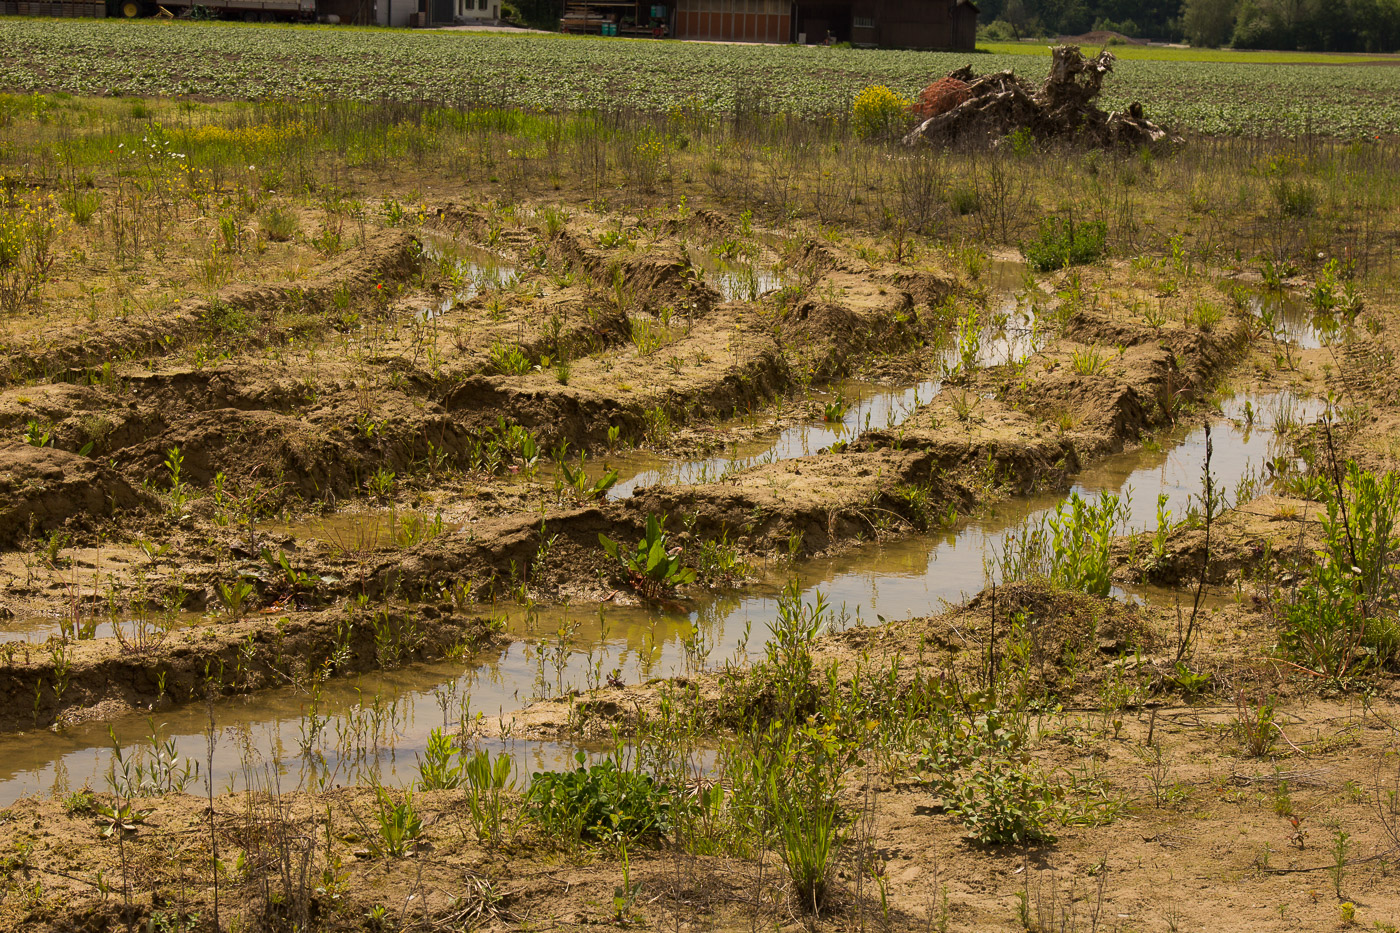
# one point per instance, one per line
(305, 10)
(356, 12)
(251, 10)
(65, 9)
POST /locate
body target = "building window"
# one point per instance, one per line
(863, 22)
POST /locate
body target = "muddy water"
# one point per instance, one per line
(866, 406)
(1293, 321)
(469, 271)
(738, 281)
(376, 724)
(1007, 335)
(745, 277)
(919, 574)
(368, 530)
(94, 622)
(376, 727)
(39, 629)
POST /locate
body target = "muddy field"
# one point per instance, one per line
(967, 594)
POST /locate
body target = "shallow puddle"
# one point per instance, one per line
(1290, 319)
(1007, 335)
(374, 727)
(861, 406)
(38, 629)
(355, 532)
(736, 279)
(468, 270)
(922, 573)
(376, 724)
(95, 622)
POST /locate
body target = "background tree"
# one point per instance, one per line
(1208, 23)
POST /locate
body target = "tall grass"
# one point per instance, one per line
(157, 173)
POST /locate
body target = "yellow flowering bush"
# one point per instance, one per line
(878, 112)
(29, 228)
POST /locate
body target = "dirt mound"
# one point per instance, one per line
(1101, 37)
(249, 310)
(41, 488)
(1063, 107)
(103, 675)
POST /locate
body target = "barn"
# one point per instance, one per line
(906, 24)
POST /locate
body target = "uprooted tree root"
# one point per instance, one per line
(966, 107)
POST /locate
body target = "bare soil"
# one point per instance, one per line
(314, 417)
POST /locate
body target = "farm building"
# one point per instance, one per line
(358, 12)
(911, 24)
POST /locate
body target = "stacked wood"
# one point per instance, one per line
(1063, 107)
(581, 18)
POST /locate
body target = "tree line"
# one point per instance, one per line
(1310, 25)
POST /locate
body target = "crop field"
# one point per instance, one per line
(1289, 95)
(477, 511)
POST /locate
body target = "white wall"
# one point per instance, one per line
(394, 12)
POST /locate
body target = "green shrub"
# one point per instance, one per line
(223, 319)
(983, 776)
(1060, 244)
(601, 803)
(1080, 538)
(1343, 615)
(1001, 802)
(788, 663)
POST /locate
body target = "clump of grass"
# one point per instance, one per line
(279, 224)
(81, 205)
(963, 200)
(398, 823)
(1296, 199)
(1254, 726)
(1060, 244)
(1206, 315)
(1089, 362)
(809, 838)
(508, 359)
